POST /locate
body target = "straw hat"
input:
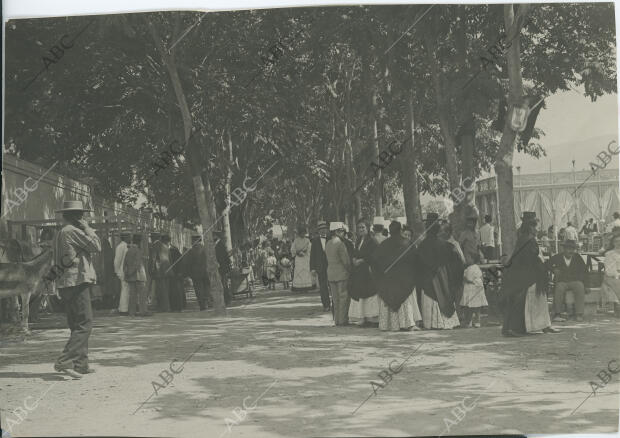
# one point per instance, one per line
(72, 206)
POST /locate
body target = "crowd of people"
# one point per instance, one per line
(378, 278)
(384, 279)
(168, 269)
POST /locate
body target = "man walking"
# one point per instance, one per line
(74, 245)
(318, 263)
(338, 267)
(119, 258)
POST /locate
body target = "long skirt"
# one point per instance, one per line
(341, 300)
(404, 318)
(302, 279)
(432, 316)
(610, 290)
(536, 311)
(364, 309)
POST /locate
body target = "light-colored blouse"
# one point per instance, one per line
(612, 263)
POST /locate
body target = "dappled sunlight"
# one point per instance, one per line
(322, 374)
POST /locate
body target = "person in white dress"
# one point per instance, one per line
(364, 307)
(300, 249)
(611, 281)
(119, 259)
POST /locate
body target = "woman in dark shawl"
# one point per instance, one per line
(392, 267)
(524, 270)
(364, 307)
(440, 274)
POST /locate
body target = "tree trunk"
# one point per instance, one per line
(503, 160)
(226, 214)
(203, 193)
(378, 179)
(446, 124)
(348, 158)
(409, 178)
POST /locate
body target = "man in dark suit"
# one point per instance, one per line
(197, 271)
(318, 263)
(569, 271)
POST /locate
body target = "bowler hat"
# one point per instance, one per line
(321, 225)
(73, 206)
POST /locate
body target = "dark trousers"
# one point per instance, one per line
(514, 312)
(224, 277)
(177, 294)
(137, 297)
(489, 252)
(324, 288)
(162, 290)
(202, 290)
(76, 300)
(559, 296)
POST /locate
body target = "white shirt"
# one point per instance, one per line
(612, 263)
(571, 233)
(119, 258)
(568, 261)
(323, 240)
(615, 223)
(486, 235)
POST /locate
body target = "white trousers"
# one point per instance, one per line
(123, 303)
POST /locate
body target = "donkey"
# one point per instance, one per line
(24, 279)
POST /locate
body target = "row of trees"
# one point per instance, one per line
(315, 95)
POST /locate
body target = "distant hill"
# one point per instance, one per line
(560, 156)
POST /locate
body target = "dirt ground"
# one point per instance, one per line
(297, 375)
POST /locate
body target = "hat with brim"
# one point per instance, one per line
(336, 226)
(529, 216)
(72, 206)
(570, 244)
(125, 234)
(321, 225)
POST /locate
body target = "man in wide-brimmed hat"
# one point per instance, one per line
(569, 272)
(318, 263)
(119, 257)
(338, 267)
(196, 263)
(73, 249)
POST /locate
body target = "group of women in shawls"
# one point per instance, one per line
(389, 273)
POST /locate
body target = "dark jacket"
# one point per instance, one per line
(196, 264)
(132, 263)
(361, 282)
(524, 268)
(223, 259)
(318, 259)
(563, 274)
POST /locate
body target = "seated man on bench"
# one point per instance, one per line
(569, 272)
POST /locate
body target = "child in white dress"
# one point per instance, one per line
(473, 297)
